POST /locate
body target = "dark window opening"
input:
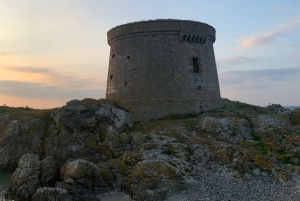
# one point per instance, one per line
(113, 56)
(197, 39)
(204, 40)
(153, 35)
(201, 39)
(195, 65)
(111, 77)
(195, 24)
(188, 38)
(187, 23)
(199, 88)
(128, 57)
(193, 38)
(125, 83)
(184, 37)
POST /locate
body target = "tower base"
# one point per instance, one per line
(150, 109)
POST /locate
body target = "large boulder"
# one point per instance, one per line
(229, 129)
(78, 192)
(88, 113)
(49, 172)
(82, 172)
(155, 180)
(18, 137)
(52, 194)
(25, 180)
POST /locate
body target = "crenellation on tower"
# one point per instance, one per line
(163, 67)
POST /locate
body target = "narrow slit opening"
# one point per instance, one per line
(195, 65)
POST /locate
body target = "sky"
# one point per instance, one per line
(55, 51)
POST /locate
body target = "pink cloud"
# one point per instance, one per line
(267, 38)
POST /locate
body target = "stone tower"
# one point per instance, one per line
(163, 67)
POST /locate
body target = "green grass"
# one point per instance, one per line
(262, 148)
(255, 137)
(296, 118)
(248, 119)
(241, 106)
(3, 108)
(178, 116)
(287, 157)
(168, 151)
(25, 108)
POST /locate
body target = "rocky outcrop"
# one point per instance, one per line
(49, 194)
(229, 129)
(18, 137)
(83, 173)
(155, 180)
(91, 147)
(25, 180)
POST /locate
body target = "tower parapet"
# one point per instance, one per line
(163, 67)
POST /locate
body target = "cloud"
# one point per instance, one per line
(40, 91)
(257, 78)
(257, 41)
(28, 69)
(17, 52)
(237, 60)
(58, 78)
(267, 38)
(261, 87)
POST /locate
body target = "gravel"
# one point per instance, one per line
(215, 187)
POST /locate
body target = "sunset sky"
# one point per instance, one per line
(55, 51)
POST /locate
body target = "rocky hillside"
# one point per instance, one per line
(91, 147)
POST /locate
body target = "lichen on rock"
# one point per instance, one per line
(91, 147)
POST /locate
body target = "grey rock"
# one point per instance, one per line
(52, 194)
(25, 180)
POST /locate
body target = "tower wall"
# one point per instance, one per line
(163, 67)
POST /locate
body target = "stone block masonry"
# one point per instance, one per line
(163, 67)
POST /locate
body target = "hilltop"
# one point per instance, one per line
(92, 147)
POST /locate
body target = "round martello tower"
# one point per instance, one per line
(163, 67)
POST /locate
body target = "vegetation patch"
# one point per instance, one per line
(178, 116)
(168, 150)
(262, 148)
(288, 157)
(296, 118)
(255, 136)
